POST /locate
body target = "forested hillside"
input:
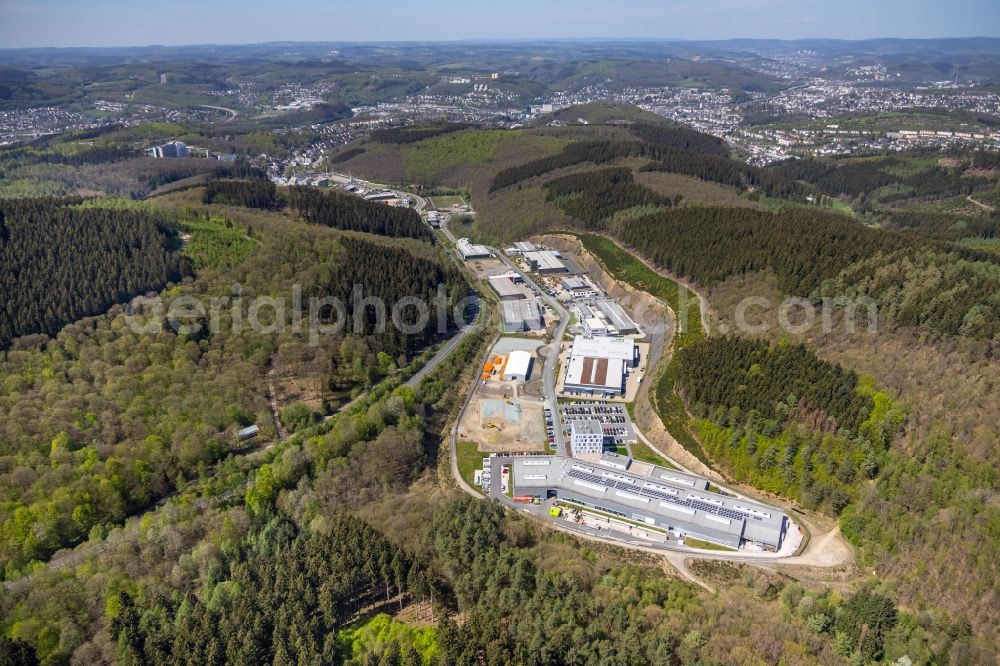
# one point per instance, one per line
(249, 193)
(342, 210)
(785, 421)
(802, 246)
(403, 135)
(60, 262)
(105, 419)
(598, 152)
(592, 196)
(946, 288)
(111, 162)
(883, 179)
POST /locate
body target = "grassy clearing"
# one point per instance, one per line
(470, 458)
(213, 244)
(626, 268)
(378, 633)
(643, 453)
(706, 545)
(428, 161)
(444, 201)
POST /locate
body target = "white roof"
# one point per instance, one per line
(587, 427)
(604, 346)
(518, 363)
(610, 380)
(467, 249)
(545, 259)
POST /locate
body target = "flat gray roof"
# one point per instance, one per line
(505, 288)
(522, 312)
(671, 496)
(617, 316)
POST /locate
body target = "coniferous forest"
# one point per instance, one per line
(60, 262)
(345, 211)
(249, 193)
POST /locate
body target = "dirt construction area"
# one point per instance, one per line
(499, 419)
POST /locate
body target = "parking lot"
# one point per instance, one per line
(613, 417)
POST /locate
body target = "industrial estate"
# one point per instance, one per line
(550, 419)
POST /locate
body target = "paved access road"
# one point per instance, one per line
(448, 347)
(552, 349)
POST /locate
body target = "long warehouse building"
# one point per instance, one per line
(665, 499)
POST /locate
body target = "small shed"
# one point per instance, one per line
(243, 434)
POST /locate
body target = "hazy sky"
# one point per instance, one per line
(143, 22)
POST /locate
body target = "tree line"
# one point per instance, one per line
(671, 149)
(749, 375)
(803, 246)
(173, 170)
(412, 134)
(341, 210)
(592, 196)
(726, 171)
(60, 262)
(578, 152)
(346, 155)
(664, 138)
(884, 179)
(27, 155)
(390, 274)
(248, 193)
(941, 226)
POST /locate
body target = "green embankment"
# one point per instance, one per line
(469, 459)
(626, 268)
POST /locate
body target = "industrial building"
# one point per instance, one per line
(665, 499)
(601, 318)
(586, 436)
(519, 248)
(594, 325)
(545, 262)
(384, 195)
(617, 317)
(598, 365)
(521, 315)
(466, 250)
(505, 288)
(172, 149)
(595, 376)
(575, 283)
(600, 346)
(615, 460)
(518, 366)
